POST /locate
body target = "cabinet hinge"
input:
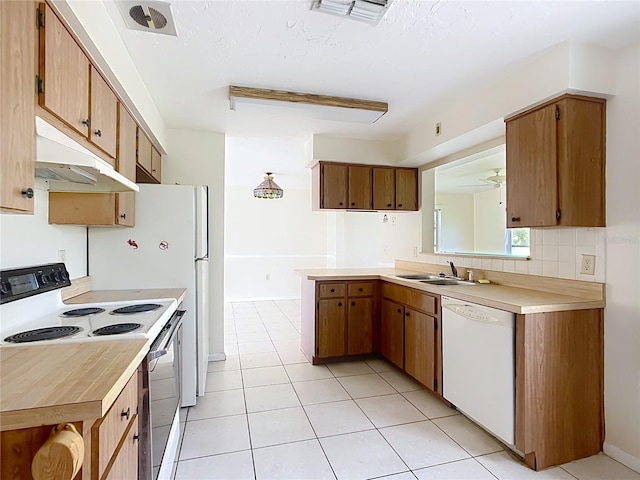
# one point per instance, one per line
(557, 113)
(39, 18)
(39, 84)
(558, 214)
(435, 384)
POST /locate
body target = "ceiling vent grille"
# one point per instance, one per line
(368, 11)
(148, 16)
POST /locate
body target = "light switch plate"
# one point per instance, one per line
(588, 264)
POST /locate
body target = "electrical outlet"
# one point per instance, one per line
(588, 264)
(62, 255)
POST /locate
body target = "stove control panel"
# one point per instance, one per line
(25, 282)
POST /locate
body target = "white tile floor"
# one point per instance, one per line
(269, 414)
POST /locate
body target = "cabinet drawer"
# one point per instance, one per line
(331, 290)
(360, 289)
(108, 431)
(410, 297)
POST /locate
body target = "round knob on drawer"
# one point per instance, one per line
(406, 314)
(340, 203)
(98, 133)
(360, 289)
(126, 414)
(353, 204)
(340, 304)
(388, 204)
(333, 290)
(515, 219)
(399, 204)
(353, 304)
(27, 192)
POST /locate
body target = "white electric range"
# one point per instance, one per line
(32, 313)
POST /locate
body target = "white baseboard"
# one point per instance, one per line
(217, 357)
(621, 456)
(260, 299)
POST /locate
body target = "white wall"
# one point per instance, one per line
(197, 158)
(266, 240)
(352, 150)
(489, 220)
(622, 249)
(456, 220)
(29, 239)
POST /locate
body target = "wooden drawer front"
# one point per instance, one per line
(125, 464)
(331, 290)
(360, 289)
(410, 297)
(114, 423)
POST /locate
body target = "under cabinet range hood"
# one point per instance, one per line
(69, 167)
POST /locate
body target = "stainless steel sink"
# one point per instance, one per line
(447, 281)
(419, 276)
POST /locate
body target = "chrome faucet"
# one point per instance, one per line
(454, 270)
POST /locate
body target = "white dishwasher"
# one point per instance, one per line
(478, 364)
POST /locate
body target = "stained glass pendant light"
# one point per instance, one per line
(268, 188)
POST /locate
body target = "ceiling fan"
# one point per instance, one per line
(497, 179)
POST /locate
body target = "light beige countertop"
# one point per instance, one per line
(509, 298)
(97, 296)
(66, 382)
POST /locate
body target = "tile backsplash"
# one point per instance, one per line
(554, 253)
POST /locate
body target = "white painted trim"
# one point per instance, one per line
(259, 299)
(621, 456)
(217, 357)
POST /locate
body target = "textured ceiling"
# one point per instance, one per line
(420, 53)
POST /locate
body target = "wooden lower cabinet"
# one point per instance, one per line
(420, 347)
(345, 319)
(332, 321)
(392, 332)
(110, 442)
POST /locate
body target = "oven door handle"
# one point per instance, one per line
(168, 332)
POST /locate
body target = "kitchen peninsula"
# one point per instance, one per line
(558, 365)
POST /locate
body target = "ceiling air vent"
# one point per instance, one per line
(369, 11)
(148, 16)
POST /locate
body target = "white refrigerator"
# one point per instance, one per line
(167, 248)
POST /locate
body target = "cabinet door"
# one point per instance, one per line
(104, 115)
(334, 182)
(392, 332)
(17, 127)
(332, 323)
(156, 164)
(125, 464)
(384, 188)
(144, 151)
(532, 185)
(64, 68)
(360, 326)
(360, 188)
(406, 189)
(419, 347)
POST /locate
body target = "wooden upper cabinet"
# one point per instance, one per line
(126, 165)
(360, 187)
(144, 151)
(64, 74)
(406, 189)
(334, 185)
(384, 188)
(17, 125)
(104, 115)
(555, 164)
(156, 164)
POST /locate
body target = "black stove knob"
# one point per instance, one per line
(64, 275)
(43, 279)
(5, 287)
(56, 276)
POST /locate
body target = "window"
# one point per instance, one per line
(520, 243)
